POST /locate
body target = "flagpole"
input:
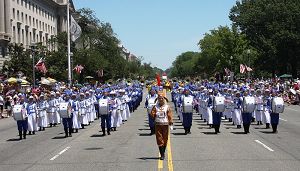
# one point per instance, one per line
(69, 45)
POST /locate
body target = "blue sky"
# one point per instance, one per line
(160, 30)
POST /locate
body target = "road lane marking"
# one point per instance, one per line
(160, 163)
(282, 119)
(170, 160)
(268, 148)
(60, 153)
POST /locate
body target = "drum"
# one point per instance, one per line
(187, 105)
(151, 103)
(103, 107)
(277, 105)
(228, 103)
(248, 104)
(19, 112)
(219, 104)
(259, 104)
(65, 110)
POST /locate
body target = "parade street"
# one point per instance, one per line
(132, 148)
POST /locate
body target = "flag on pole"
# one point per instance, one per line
(242, 68)
(158, 79)
(248, 68)
(75, 29)
(78, 69)
(40, 66)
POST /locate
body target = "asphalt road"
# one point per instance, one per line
(131, 148)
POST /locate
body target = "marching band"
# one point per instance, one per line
(77, 109)
(240, 104)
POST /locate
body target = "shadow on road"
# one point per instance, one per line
(209, 133)
(259, 128)
(144, 134)
(238, 132)
(267, 132)
(13, 139)
(58, 137)
(207, 127)
(148, 158)
(179, 133)
(144, 129)
(97, 135)
(94, 148)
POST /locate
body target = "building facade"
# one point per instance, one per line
(25, 22)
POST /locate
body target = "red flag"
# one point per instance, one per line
(242, 68)
(158, 79)
(78, 69)
(40, 66)
(248, 69)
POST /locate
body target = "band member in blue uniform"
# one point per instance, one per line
(274, 116)
(106, 117)
(23, 124)
(216, 115)
(187, 111)
(149, 104)
(247, 117)
(68, 121)
(32, 114)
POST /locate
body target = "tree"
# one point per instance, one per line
(222, 48)
(272, 27)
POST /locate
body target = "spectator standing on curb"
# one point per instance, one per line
(1, 104)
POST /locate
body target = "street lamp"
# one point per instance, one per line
(33, 46)
(248, 52)
(231, 71)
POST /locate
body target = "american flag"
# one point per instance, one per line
(40, 66)
(242, 68)
(78, 69)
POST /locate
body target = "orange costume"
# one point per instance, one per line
(162, 114)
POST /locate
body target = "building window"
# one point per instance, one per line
(14, 34)
(22, 17)
(18, 15)
(30, 20)
(29, 5)
(26, 19)
(40, 25)
(33, 21)
(22, 2)
(17, 1)
(14, 13)
(25, 3)
(30, 36)
(23, 40)
(36, 9)
(40, 11)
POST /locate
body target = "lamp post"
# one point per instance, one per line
(248, 52)
(231, 71)
(33, 45)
